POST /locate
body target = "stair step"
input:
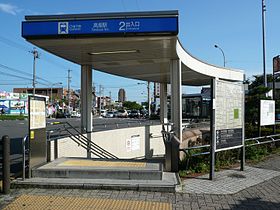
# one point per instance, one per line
(99, 169)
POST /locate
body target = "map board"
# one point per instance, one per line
(229, 114)
(37, 131)
(267, 112)
(37, 113)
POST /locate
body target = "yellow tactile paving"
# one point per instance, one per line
(101, 163)
(42, 202)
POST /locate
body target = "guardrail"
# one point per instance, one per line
(259, 141)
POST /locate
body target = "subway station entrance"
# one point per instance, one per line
(138, 45)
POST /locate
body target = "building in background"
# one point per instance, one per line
(121, 95)
(55, 93)
(13, 103)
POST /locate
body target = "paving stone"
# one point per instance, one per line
(263, 195)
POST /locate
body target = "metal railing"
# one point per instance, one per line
(25, 152)
(258, 141)
(117, 125)
(75, 135)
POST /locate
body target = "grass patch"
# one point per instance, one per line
(13, 117)
(192, 165)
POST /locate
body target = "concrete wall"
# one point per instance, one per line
(123, 143)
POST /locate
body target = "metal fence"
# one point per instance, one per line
(248, 143)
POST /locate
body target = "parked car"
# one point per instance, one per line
(122, 113)
(103, 113)
(75, 114)
(135, 114)
(110, 114)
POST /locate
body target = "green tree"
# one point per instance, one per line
(132, 105)
(256, 92)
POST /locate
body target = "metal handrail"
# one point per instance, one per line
(103, 151)
(80, 139)
(23, 156)
(256, 139)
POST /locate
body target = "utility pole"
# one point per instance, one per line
(263, 36)
(110, 94)
(35, 55)
(149, 99)
(94, 97)
(100, 87)
(68, 91)
(155, 97)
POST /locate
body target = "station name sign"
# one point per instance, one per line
(122, 26)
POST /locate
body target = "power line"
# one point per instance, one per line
(137, 4)
(12, 75)
(14, 70)
(22, 72)
(123, 4)
(123, 86)
(13, 44)
(21, 77)
(14, 84)
(26, 49)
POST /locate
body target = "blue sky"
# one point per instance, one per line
(233, 25)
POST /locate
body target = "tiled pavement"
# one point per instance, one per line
(265, 195)
(227, 181)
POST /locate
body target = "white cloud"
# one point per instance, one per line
(9, 8)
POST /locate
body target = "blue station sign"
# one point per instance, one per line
(121, 27)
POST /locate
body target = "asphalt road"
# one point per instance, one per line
(17, 129)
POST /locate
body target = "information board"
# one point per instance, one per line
(267, 112)
(37, 131)
(133, 143)
(229, 114)
(37, 114)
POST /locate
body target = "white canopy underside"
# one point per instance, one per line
(144, 58)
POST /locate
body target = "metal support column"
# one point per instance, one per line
(163, 103)
(212, 131)
(176, 97)
(243, 148)
(86, 102)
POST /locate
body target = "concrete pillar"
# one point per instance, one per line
(86, 102)
(176, 97)
(163, 103)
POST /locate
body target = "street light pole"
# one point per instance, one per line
(216, 46)
(263, 39)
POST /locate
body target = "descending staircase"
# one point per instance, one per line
(104, 172)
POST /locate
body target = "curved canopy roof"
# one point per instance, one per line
(134, 45)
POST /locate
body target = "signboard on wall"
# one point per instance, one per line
(229, 115)
(267, 112)
(133, 143)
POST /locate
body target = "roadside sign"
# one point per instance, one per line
(267, 112)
